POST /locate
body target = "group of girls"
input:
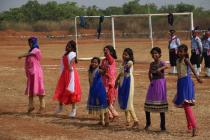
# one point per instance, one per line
(106, 87)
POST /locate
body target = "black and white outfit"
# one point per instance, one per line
(196, 52)
(174, 43)
(206, 55)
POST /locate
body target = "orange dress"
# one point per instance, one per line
(68, 90)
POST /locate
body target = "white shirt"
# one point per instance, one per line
(174, 42)
(196, 43)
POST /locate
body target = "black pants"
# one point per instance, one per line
(206, 59)
(202, 57)
(172, 57)
(162, 119)
(195, 59)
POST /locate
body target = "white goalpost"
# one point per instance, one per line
(150, 20)
(150, 23)
(77, 35)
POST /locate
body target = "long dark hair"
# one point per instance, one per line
(157, 49)
(72, 44)
(90, 67)
(112, 51)
(129, 51)
(185, 49)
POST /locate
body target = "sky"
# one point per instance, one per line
(7, 4)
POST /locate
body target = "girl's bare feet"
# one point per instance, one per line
(30, 110)
(41, 110)
(194, 132)
(135, 125)
(106, 124)
(127, 124)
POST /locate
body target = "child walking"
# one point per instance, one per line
(156, 99)
(108, 66)
(34, 74)
(97, 100)
(68, 89)
(125, 81)
(185, 96)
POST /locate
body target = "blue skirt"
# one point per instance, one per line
(124, 92)
(97, 99)
(185, 92)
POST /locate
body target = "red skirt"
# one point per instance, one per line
(62, 93)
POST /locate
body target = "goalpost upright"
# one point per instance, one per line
(76, 32)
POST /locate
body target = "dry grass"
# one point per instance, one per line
(17, 125)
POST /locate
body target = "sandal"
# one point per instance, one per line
(147, 127)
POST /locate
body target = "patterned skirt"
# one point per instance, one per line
(97, 101)
(156, 99)
(185, 92)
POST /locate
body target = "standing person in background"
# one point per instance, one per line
(196, 51)
(68, 89)
(203, 41)
(125, 81)
(206, 52)
(173, 44)
(108, 66)
(185, 96)
(34, 74)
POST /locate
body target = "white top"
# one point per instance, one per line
(174, 42)
(71, 56)
(71, 86)
(206, 44)
(196, 43)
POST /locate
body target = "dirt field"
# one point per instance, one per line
(15, 124)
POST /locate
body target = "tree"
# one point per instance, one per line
(31, 11)
(168, 9)
(113, 11)
(181, 7)
(132, 7)
(93, 11)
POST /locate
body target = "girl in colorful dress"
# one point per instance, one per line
(97, 100)
(185, 96)
(34, 74)
(125, 81)
(68, 89)
(108, 66)
(156, 99)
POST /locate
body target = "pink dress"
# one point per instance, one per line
(109, 77)
(34, 73)
(68, 90)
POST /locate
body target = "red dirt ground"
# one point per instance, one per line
(17, 125)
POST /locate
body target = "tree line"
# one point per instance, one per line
(34, 13)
